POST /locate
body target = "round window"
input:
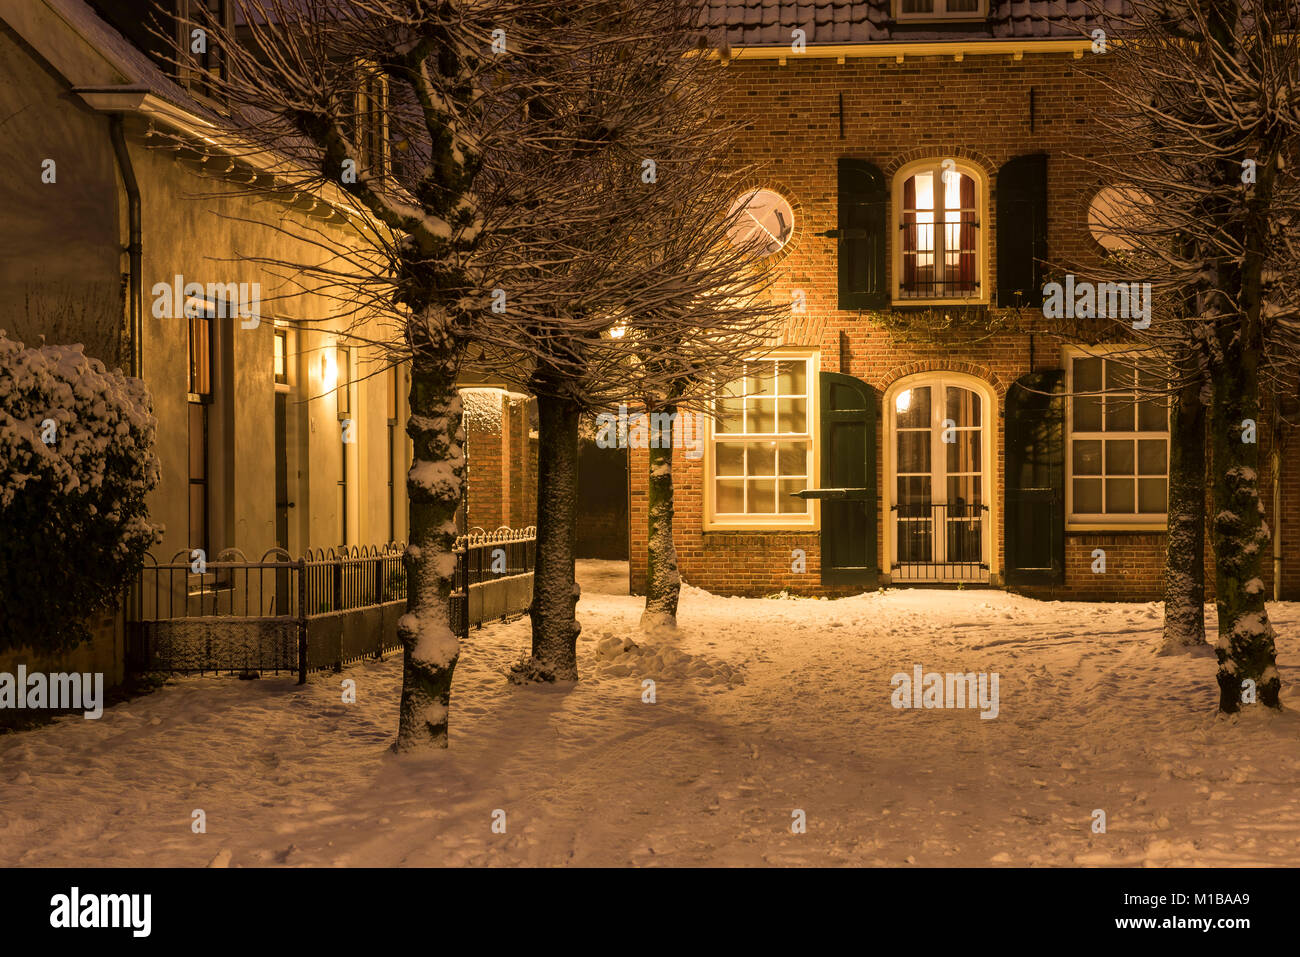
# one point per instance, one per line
(1114, 211)
(761, 217)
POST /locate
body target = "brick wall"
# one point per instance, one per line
(977, 110)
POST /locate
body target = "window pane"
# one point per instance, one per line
(762, 496)
(760, 380)
(1087, 457)
(731, 418)
(761, 415)
(1120, 413)
(964, 453)
(792, 458)
(792, 415)
(963, 490)
(1087, 375)
(1119, 375)
(730, 458)
(962, 406)
(1119, 496)
(963, 6)
(1152, 415)
(731, 495)
(1087, 413)
(791, 378)
(913, 489)
(914, 451)
(1152, 457)
(279, 357)
(1153, 496)
(918, 6)
(1119, 457)
(912, 408)
(786, 502)
(762, 459)
(1087, 496)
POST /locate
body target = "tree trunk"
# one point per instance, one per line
(555, 589)
(1245, 648)
(430, 644)
(1184, 630)
(663, 579)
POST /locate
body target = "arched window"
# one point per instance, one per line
(939, 221)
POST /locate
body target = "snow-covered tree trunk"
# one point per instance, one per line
(555, 588)
(663, 579)
(1184, 628)
(428, 633)
(1245, 648)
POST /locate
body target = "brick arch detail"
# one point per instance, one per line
(974, 157)
(981, 372)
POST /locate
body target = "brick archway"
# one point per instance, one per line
(982, 372)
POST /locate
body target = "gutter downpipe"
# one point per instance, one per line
(134, 247)
(134, 603)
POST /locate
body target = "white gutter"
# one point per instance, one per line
(957, 49)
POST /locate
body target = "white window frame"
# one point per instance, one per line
(981, 297)
(810, 520)
(940, 12)
(1090, 522)
(990, 416)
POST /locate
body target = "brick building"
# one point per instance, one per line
(921, 184)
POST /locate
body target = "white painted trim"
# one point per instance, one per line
(1141, 521)
(811, 522)
(988, 449)
(900, 49)
(981, 233)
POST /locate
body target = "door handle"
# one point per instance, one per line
(832, 493)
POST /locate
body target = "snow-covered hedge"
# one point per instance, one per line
(76, 462)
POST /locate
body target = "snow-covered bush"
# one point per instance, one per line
(76, 462)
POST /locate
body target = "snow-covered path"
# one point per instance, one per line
(763, 707)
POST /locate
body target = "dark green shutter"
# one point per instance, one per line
(1022, 230)
(1034, 522)
(848, 461)
(863, 208)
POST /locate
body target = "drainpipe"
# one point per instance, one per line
(134, 247)
(134, 603)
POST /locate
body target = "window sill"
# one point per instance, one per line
(1114, 527)
(752, 525)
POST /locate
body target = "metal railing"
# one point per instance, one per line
(322, 610)
(940, 542)
(493, 574)
(931, 272)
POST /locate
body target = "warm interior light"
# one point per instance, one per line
(329, 371)
(618, 330)
(903, 402)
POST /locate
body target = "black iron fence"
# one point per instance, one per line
(939, 542)
(323, 610)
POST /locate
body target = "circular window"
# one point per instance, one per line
(1111, 212)
(761, 217)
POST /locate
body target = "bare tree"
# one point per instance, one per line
(311, 89)
(1201, 132)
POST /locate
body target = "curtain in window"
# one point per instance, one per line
(966, 261)
(909, 234)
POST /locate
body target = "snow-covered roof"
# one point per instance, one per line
(136, 69)
(770, 22)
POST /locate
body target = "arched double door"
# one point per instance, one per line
(938, 487)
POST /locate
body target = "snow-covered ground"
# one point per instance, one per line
(762, 707)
